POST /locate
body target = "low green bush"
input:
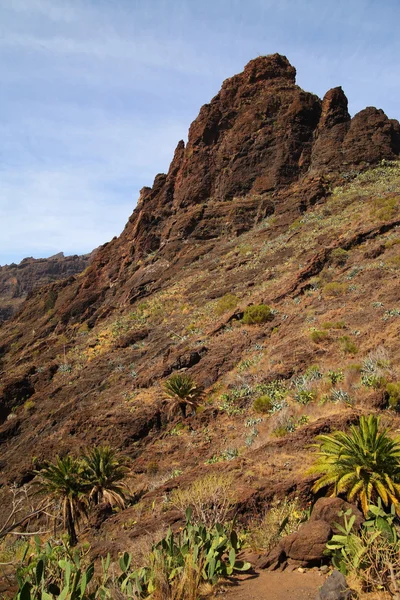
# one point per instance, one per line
(347, 345)
(393, 392)
(305, 396)
(263, 404)
(318, 336)
(335, 289)
(256, 314)
(335, 376)
(225, 303)
(339, 257)
(334, 325)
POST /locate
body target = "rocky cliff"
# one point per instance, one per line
(278, 197)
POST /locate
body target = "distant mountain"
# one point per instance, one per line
(18, 281)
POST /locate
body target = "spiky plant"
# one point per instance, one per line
(363, 464)
(182, 391)
(61, 481)
(103, 475)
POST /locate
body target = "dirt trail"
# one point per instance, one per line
(277, 586)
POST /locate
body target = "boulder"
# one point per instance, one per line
(328, 509)
(308, 544)
(304, 548)
(335, 588)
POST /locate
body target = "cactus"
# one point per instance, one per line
(55, 573)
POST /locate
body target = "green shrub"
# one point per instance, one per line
(334, 325)
(280, 431)
(50, 300)
(393, 392)
(335, 288)
(263, 404)
(313, 373)
(29, 406)
(225, 303)
(318, 336)
(335, 377)
(339, 257)
(257, 313)
(347, 345)
(152, 468)
(305, 396)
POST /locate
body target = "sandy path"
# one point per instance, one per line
(277, 586)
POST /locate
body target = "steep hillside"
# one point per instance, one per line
(17, 281)
(278, 198)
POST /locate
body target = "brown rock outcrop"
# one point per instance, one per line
(306, 547)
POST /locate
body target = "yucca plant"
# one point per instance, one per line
(363, 464)
(183, 392)
(102, 475)
(61, 482)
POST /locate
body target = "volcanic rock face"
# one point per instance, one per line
(17, 281)
(259, 134)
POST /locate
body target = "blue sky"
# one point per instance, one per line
(95, 95)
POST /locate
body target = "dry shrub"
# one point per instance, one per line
(335, 289)
(377, 570)
(190, 584)
(284, 517)
(210, 497)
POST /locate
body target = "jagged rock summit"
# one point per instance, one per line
(259, 134)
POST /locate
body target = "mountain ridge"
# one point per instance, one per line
(277, 198)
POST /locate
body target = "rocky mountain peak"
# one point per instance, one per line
(261, 146)
(264, 68)
(259, 135)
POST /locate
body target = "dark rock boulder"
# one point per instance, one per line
(335, 588)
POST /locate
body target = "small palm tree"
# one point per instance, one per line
(182, 391)
(364, 464)
(103, 473)
(61, 482)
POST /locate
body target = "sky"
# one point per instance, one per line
(95, 95)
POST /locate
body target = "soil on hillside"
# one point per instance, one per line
(284, 585)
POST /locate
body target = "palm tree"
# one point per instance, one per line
(102, 475)
(182, 391)
(364, 464)
(61, 481)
